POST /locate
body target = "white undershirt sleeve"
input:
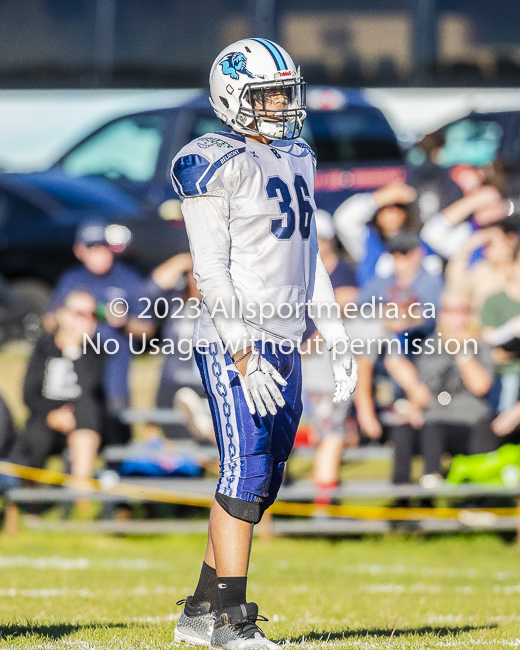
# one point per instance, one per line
(207, 225)
(445, 238)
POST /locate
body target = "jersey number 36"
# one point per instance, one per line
(276, 188)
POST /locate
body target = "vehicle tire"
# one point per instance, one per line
(31, 298)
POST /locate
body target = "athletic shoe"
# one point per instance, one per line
(195, 624)
(235, 628)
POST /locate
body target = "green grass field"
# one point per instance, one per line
(72, 591)
(99, 592)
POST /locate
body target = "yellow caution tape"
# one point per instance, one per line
(280, 507)
(94, 485)
(382, 512)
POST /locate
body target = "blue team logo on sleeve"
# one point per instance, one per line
(234, 64)
(192, 173)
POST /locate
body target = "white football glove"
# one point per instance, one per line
(259, 385)
(345, 371)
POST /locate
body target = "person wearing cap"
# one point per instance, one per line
(106, 278)
(379, 397)
(326, 418)
(366, 221)
(410, 282)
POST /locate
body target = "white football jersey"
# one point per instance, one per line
(267, 194)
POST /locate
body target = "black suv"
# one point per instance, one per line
(121, 172)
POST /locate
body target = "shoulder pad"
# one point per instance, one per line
(303, 145)
(192, 172)
(219, 141)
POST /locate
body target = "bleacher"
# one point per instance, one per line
(297, 492)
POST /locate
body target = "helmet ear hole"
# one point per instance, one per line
(224, 101)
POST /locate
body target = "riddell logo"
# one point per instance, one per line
(283, 73)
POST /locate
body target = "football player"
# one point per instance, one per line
(248, 207)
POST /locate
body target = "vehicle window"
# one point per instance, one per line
(516, 144)
(356, 134)
(203, 124)
(127, 148)
(474, 142)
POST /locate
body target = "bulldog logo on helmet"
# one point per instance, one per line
(234, 64)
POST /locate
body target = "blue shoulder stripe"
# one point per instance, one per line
(187, 172)
(274, 51)
(304, 145)
(216, 165)
(192, 173)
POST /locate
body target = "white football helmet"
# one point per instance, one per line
(244, 76)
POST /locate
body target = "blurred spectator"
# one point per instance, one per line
(326, 418)
(342, 275)
(63, 389)
(480, 278)
(505, 175)
(6, 305)
(106, 278)
(365, 222)
(13, 313)
(409, 284)
(7, 430)
(456, 416)
(388, 406)
(501, 329)
(383, 412)
(507, 424)
(435, 188)
(447, 231)
(180, 383)
(9, 442)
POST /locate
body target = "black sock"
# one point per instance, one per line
(232, 591)
(206, 590)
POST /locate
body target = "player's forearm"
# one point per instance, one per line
(505, 333)
(460, 210)
(444, 237)
(210, 245)
(363, 397)
(166, 275)
(475, 377)
(402, 371)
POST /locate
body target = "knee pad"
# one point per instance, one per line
(249, 511)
